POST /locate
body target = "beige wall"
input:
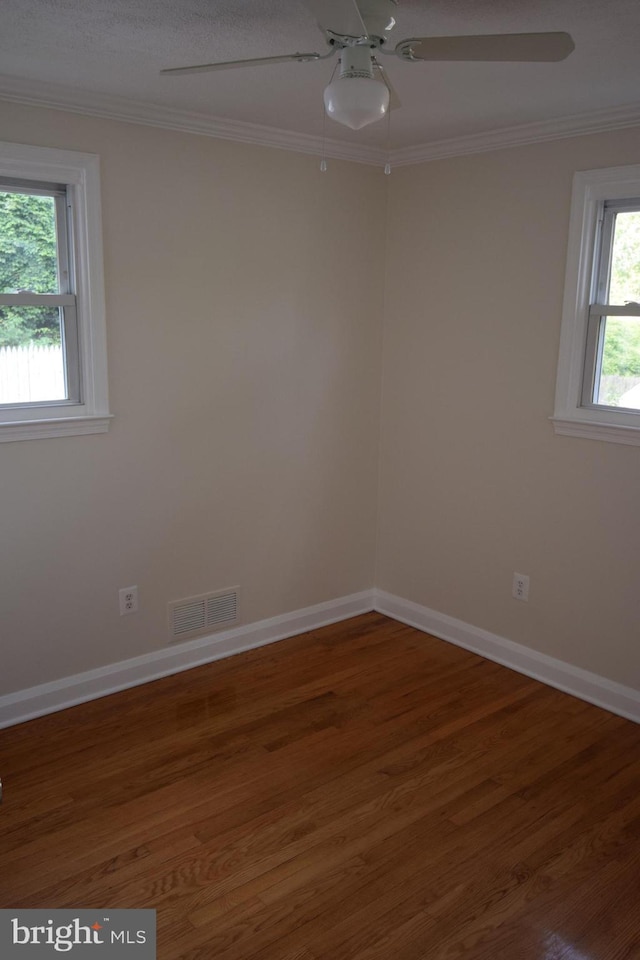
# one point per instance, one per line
(244, 293)
(244, 302)
(474, 483)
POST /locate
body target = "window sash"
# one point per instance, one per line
(65, 299)
(601, 309)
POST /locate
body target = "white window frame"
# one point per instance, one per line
(88, 413)
(574, 415)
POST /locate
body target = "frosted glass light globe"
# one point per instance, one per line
(356, 101)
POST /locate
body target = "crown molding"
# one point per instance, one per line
(57, 97)
(597, 121)
(36, 94)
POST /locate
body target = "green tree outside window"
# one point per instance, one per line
(28, 261)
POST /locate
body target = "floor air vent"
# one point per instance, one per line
(199, 615)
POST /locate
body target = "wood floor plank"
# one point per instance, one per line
(359, 792)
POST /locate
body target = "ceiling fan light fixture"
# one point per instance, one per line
(356, 101)
(358, 97)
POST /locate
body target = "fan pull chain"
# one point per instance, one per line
(323, 162)
(387, 166)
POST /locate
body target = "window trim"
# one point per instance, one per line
(571, 417)
(80, 173)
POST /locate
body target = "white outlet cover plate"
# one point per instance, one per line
(128, 599)
(520, 589)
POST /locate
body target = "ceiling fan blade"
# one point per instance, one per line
(378, 16)
(339, 16)
(394, 99)
(255, 62)
(533, 47)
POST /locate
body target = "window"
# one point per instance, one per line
(598, 387)
(52, 330)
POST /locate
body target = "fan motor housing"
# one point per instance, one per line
(356, 62)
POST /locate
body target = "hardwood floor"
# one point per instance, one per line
(361, 792)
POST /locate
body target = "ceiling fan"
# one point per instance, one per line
(360, 31)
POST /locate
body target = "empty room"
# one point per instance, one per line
(319, 417)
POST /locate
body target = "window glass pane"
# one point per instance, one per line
(625, 259)
(31, 355)
(28, 243)
(620, 369)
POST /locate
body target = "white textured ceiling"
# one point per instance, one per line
(95, 49)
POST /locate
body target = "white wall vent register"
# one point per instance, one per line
(198, 615)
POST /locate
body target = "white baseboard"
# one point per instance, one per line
(68, 691)
(619, 699)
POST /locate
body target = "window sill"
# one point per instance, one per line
(594, 430)
(62, 427)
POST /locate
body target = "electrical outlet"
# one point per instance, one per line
(520, 589)
(128, 597)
